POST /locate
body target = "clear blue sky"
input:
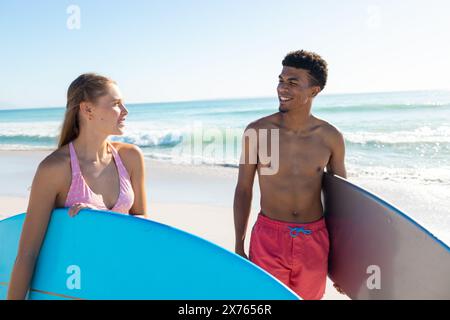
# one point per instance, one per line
(192, 49)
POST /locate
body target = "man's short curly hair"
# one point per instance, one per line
(310, 61)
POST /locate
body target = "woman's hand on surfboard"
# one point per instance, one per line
(73, 211)
(338, 288)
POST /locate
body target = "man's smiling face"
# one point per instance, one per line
(294, 88)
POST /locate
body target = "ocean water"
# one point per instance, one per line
(394, 136)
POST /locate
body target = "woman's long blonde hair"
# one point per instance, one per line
(87, 87)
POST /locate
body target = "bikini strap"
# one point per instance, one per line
(74, 160)
(122, 170)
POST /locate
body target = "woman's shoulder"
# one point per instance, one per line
(130, 154)
(127, 149)
(57, 160)
(56, 164)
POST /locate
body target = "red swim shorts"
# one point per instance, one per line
(294, 253)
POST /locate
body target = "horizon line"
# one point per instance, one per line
(236, 98)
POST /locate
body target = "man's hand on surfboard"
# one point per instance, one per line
(338, 288)
(241, 253)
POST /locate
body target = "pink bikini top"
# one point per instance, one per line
(80, 192)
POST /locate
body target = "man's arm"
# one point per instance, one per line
(336, 164)
(244, 188)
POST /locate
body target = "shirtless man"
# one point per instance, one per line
(290, 238)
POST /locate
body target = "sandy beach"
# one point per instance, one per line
(204, 198)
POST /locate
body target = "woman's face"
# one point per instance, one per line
(109, 112)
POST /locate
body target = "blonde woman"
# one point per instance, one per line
(86, 171)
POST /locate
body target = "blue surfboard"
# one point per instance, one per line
(105, 255)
